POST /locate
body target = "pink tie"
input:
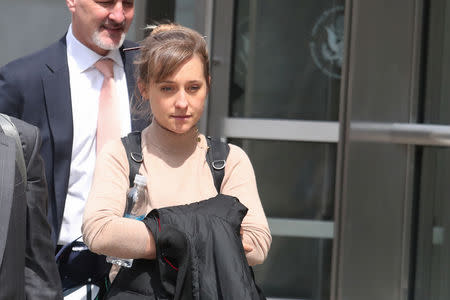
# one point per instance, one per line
(108, 124)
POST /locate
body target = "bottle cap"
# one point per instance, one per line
(140, 179)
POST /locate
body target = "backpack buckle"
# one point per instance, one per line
(218, 164)
(137, 157)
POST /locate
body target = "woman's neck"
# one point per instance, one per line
(171, 142)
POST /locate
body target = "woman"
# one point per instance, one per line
(173, 75)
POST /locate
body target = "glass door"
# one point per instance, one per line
(432, 274)
(276, 72)
(393, 235)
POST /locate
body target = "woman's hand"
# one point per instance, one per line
(247, 247)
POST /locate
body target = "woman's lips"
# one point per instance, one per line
(181, 117)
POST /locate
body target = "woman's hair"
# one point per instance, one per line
(165, 49)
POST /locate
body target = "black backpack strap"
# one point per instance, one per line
(216, 156)
(132, 144)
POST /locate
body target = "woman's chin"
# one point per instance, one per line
(181, 131)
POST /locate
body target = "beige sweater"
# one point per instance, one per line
(177, 173)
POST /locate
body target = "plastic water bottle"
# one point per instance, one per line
(135, 208)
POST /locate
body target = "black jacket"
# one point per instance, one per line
(199, 255)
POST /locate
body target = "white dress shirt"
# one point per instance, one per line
(85, 85)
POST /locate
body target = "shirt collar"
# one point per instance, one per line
(84, 58)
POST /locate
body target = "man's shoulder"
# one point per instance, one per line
(23, 126)
(35, 59)
(28, 135)
(130, 54)
(129, 44)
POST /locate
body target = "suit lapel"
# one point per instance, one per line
(128, 57)
(7, 163)
(56, 85)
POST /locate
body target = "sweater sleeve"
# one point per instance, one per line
(105, 230)
(240, 182)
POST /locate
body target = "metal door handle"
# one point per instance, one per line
(400, 133)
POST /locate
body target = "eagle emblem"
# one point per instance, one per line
(327, 44)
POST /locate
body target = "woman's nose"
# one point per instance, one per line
(181, 101)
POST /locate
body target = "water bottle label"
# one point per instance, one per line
(139, 218)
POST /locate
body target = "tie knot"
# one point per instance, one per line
(105, 66)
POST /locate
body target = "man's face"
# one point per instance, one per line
(101, 25)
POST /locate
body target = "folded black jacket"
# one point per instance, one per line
(199, 255)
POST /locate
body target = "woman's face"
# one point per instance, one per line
(177, 102)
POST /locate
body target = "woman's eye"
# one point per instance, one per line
(166, 89)
(128, 3)
(194, 88)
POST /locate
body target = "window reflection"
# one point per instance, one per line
(295, 179)
(287, 58)
(296, 268)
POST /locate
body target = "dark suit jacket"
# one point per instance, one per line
(27, 265)
(36, 89)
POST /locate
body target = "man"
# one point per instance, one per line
(27, 266)
(58, 89)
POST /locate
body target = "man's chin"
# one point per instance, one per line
(108, 43)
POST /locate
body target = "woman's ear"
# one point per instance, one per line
(142, 89)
